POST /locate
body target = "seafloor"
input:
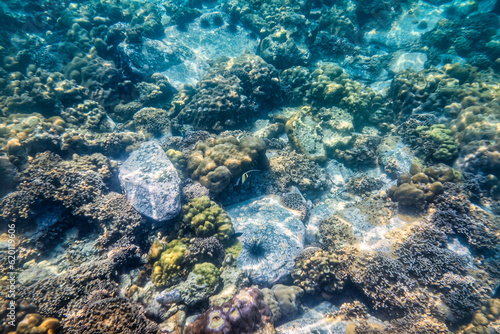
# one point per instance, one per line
(248, 166)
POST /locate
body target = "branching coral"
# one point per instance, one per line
(318, 272)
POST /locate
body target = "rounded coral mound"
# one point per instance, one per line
(232, 94)
(169, 262)
(207, 219)
(217, 162)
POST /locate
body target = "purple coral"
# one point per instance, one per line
(246, 313)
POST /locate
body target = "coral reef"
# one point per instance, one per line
(463, 294)
(426, 256)
(307, 276)
(152, 120)
(485, 319)
(386, 283)
(205, 250)
(55, 296)
(315, 133)
(336, 233)
(168, 260)
(455, 215)
(362, 185)
(51, 181)
(246, 313)
(230, 96)
(177, 158)
(291, 168)
(200, 284)
(285, 113)
(420, 186)
(295, 201)
(468, 37)
(121, 223)
(288, 298)
(207, 219)
(103, 309)
(36, 323)
(218, 162)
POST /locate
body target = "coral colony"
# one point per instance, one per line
(239, 167)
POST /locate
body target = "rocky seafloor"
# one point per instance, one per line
(247, 166)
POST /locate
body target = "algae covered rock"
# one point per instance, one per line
(312, 132)
(288, 298)
(151, 183)
(272, 236)
(200, 284)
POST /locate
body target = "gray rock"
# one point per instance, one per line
(190, 292)
(151, 183)
(281, 235)
(205, 44)
(406, 30)
(151, 56)
(408, 60)
(314, 320)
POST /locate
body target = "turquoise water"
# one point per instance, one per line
(245, 166)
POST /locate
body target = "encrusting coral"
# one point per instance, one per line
(421, 186)
(36, 323)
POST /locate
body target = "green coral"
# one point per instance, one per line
(177, 158)
(440, 138)
(207, 219)
(168, 267)
(331, 86)
(207, 275)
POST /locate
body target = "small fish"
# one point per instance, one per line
(245, 176)
(238, 234)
